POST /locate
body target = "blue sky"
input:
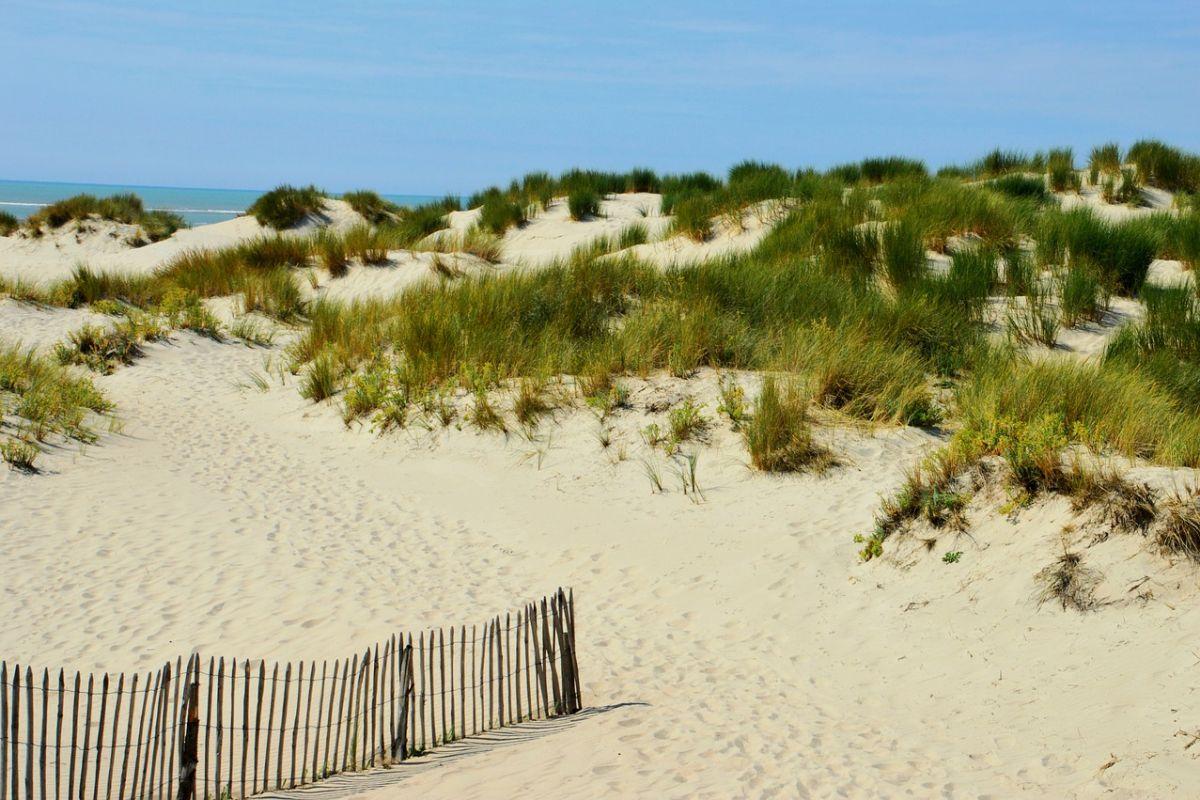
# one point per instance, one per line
(434, 97)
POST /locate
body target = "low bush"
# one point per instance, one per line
(778, 434)
(583, 204)
(287, 206)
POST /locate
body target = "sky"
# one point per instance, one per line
(434, 97)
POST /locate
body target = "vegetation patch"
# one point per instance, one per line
(287, 206)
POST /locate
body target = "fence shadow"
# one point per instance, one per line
(353, 783)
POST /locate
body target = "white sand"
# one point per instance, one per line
(734, 647)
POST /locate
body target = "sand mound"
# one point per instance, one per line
(730, 647)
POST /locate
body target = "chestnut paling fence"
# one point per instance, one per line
(229, 728)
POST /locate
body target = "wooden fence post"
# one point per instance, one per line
(191, 733)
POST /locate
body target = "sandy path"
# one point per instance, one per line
(736, 646)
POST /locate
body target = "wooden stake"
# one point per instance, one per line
(128, 733)
(312, 673)
(220, 743)
(266, 762)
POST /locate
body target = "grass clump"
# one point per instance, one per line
(1179, 526)
(287, 206)
(125, 208)
(1021, 187)
(1061, 173)
(778, 434)
(330, 249)
(1068, 582)
(1105, 161)
(1159, 164)
(930, 491)
(583, 203)
(632, 236)
(371, 207)
(49, 397)
(8, 223)
(693, 217)
(19, 453)
(498, 213)
(104, 349)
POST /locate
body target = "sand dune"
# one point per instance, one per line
(734, 647)
(104, 248)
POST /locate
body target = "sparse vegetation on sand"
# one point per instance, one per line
(778, 434)
(371, 207)
(126, 208)
(287, 206)
(45, 398)
(839, 301)
(8, 223)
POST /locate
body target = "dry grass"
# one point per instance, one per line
(1068, 582)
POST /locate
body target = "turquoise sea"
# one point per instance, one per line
(197, 206)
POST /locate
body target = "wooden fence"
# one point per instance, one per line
(217, 728)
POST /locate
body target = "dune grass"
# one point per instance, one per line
(126, 208)
(45, 397)
(498, 213)
(583, 203)
(287, 206)
(778, 435)
(371, 207)
(8, 223)
(1164, 166)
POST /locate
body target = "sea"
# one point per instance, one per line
(196, 205)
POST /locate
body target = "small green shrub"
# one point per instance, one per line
(8, 223)
(583, 204)
(287, 206)
(371, 207)
(693, 217)
(778, 434)
(20, 454)
(498, 214)
(632, 236)
(320, 381)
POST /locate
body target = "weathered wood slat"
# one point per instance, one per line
(332, 766)
(497, 673)
(421, 694)
(372, 712)
(450, 731)
(100, 736)
(245, 724)
(128, 734)
(517, 671)
(218, 744)
(4, 734)
(14, 710)
(42, 742)
(232, 726)
(58, 720)
(172, 739)
(352, 686)
(262, 685)
(160, 691)
(87, 738)
(266, 762)
(312, 673)
(209, 740)
(116, 731)
(321, 715)
(476, 692)
(462, 681)
(138, 765)
(442, 680)
(283, 717)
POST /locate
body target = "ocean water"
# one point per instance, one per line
(196, 206)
